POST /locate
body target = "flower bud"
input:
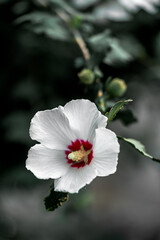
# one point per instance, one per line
(117, 87)
(86, 76)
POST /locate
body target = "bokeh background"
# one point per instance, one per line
(37, 73)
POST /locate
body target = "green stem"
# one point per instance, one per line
(77, 36)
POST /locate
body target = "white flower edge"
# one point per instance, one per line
(57, 127)
(46, 163)
(51, 164)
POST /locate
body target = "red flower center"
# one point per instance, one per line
(80, 153)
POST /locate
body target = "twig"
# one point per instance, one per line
(77, 36)
(82, 45)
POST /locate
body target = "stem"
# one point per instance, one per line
(77, 36)
(63, 16)
(82, 45)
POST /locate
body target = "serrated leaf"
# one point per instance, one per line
(55, 199)
(115, 109)
(139, 147)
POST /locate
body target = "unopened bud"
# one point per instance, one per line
(86, 76)
(117, 87)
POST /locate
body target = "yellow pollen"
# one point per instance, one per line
(77, 156)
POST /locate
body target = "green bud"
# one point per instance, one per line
(86, 76)
(117, 87)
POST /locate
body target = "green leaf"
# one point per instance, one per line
(62, 4)
(100, 42)
(55, 199)
(117, 55)
(98, 73)
(111, 10)
(132, 46)
(152, 9)
(139, 147)
(115, 109)
(111, 50)
(44, 23)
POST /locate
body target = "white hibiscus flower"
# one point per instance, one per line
(75, 146)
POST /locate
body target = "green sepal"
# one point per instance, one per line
(55, 199)
(115, 109)
(139, 147)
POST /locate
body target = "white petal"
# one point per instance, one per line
(75, 179)
(105, 152)
(52, 129)
(46, 163)
(84, 118)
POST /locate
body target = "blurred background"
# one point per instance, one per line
(38, 71)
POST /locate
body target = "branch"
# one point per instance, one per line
(77, 36)
(82, 45)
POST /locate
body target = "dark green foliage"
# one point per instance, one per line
(109, 49)
(100, 42)
(126, 116)
(117, 54)
(115, 109)
(55, 199)
(45, 23)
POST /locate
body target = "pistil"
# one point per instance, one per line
(80, 155)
